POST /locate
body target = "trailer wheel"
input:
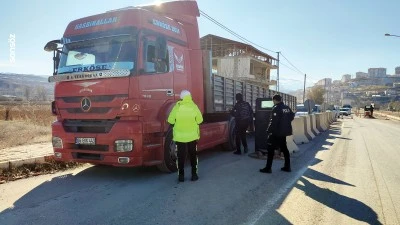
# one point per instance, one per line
(170, 155)
(231, 144)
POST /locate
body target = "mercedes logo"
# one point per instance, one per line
(136, 108)
(86, 104)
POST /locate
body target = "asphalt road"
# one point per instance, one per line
(347, 175)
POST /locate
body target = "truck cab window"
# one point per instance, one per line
(153, 63)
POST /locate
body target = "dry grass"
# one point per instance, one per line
(25, 171)
(24, 124)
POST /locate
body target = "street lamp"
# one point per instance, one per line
(392, 35)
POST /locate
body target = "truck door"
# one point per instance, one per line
(155, 79)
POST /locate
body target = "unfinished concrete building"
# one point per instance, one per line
(240, 61)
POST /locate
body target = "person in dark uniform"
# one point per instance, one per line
(279, 127)
(243, 114)
(372, 110)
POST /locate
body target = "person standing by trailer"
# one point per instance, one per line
(279, 127)
(243, 114)
(186, 118)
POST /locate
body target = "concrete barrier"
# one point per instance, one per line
(319, 117)
(299, 136)
(326, 122)
(314, 124)
(307, 128)
(332, 117)
(291, 145)
(329, 117)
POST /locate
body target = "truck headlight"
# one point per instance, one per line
(123, 145)
(57, 142)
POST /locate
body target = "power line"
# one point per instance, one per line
(294, 69)
(291, 64)
(232, 32)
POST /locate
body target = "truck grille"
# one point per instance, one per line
(88, 126)
(100, 148)
(100, 98)
(92, 110)
(77, 155)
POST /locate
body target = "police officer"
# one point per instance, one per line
(186, 117)
(243, 114)
(279, 127)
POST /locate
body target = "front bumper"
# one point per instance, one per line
(103, 152)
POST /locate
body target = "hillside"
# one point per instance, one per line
(23, 85)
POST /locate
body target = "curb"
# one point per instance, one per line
(18, 163)
(388, 116)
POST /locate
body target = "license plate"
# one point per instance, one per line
(85, 141)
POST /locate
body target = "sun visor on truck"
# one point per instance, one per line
(100, 34)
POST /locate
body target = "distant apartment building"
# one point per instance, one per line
(361, 75)
(324, 82)
(376, 72)
(336, 82)
(346, 78)
(397, 70)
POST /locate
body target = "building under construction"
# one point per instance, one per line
(240, 61)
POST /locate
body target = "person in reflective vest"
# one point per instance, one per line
(186, 118)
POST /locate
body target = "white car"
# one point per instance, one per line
(345, 111)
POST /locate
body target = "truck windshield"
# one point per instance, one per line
(108, 53)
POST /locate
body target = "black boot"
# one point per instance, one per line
(266, 170)
(195, 177)
(286, 169)
(194, 173)
(237, 152)
(181, 176)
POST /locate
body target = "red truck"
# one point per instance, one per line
(117, 76)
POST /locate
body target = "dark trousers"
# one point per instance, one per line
(275, 142)
(240, 129)
(183, 150)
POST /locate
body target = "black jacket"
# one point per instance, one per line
(281, 121)
(242, 111)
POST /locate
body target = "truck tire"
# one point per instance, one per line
(231, 144)
(170, 155)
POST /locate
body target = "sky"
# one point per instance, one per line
(321, 38)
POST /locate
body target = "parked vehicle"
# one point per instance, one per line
(345, 111)
(301, 110)
(335, 109)
(347, 106)
(118, 74)
(316, 109)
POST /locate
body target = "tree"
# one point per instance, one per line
(41, 93)
(316, 93)
(27, 92)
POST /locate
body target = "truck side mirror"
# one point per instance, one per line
(51, 46)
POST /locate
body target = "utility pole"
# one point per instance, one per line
(326, 93)
(277, 74)
(304, 91)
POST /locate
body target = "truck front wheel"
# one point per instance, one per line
(170, 155)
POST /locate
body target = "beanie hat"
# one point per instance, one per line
(184, 93)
